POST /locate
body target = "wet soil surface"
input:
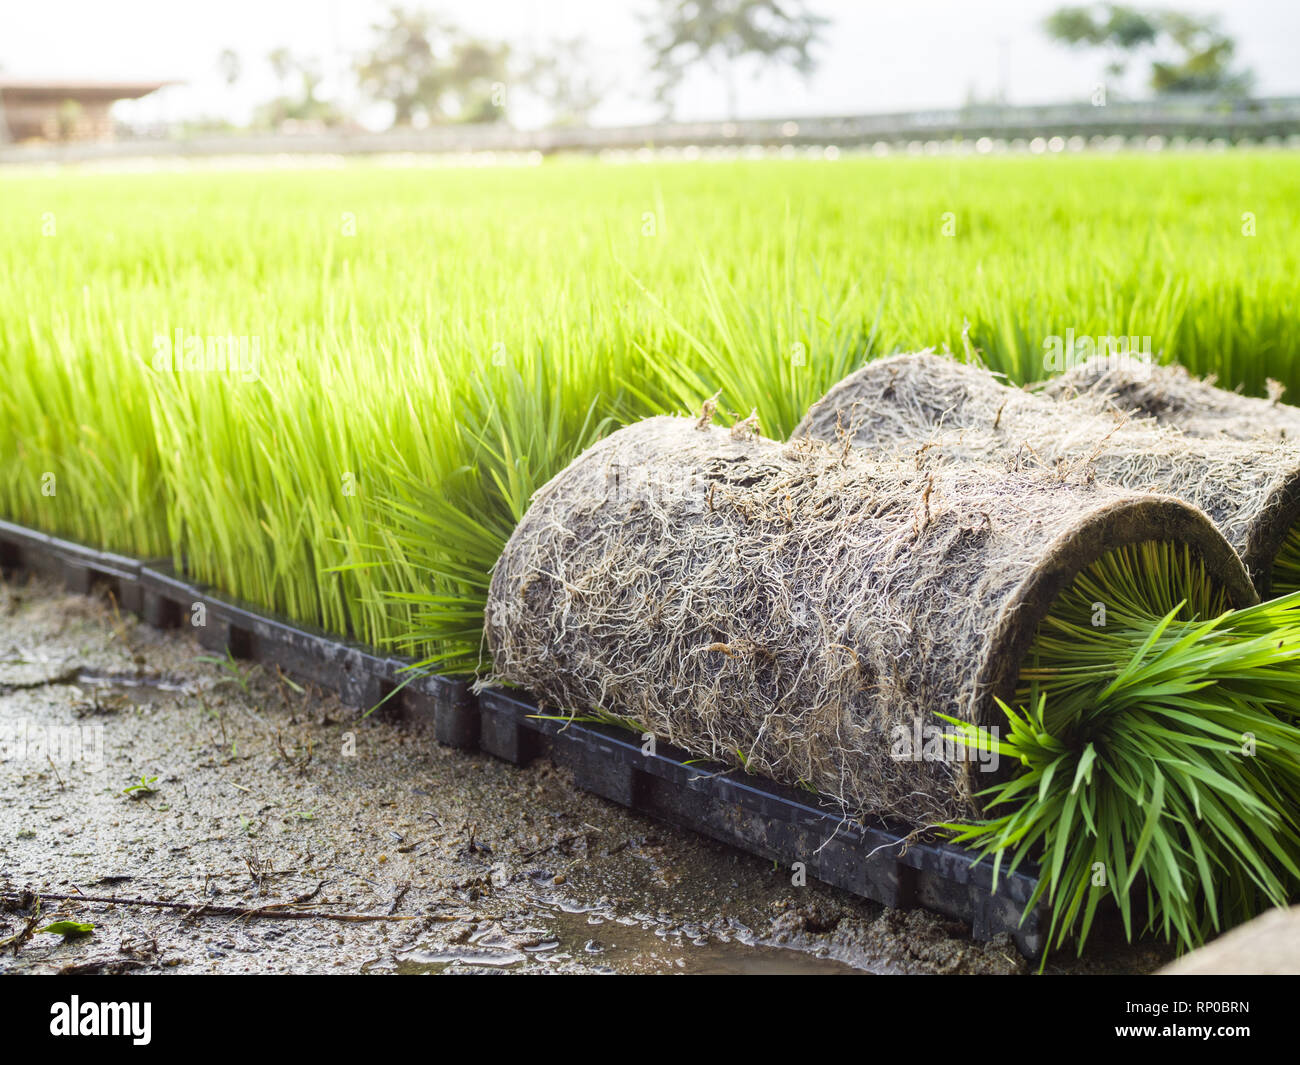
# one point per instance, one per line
(287, 833)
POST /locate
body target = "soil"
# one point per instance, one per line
(395, 854)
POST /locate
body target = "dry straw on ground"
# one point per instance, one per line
(1173, 396)
(796, 608)
(934, 406)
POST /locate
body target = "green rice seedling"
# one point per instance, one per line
(515, 440)
(1286, 564)
(646, 289)
(1155, 755)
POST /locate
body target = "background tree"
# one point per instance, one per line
(560, 76)
(1206, 58)
(1118, 29)
(230, 66)
(402, 69)
(299, 79)
(1197, 55)
(282, 63)
(428, 69)
(477, 74)
(721, 33)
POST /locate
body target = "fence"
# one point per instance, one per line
(1190, 117)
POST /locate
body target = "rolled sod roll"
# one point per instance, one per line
(1173, 396)
(800, 609)
(952, 411)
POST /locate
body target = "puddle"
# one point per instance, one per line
(421, 961)
(136, 689)
(598, 941)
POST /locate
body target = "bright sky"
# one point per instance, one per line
(878, 55)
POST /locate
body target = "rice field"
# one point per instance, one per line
(423, 348)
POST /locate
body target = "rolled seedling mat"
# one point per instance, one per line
(941, 410)
(1171, 395)
(796, 608)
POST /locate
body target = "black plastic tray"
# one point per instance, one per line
(78, 568)
(361, 678)
(874, 861)
(165, 599)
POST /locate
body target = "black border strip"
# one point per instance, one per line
(874, 860)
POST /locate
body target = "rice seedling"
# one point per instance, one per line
(1156, 758)
(1286, 566)
(938, 409)
(635, 290)
(1152, 740)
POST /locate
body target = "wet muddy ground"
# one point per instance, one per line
(286, 833)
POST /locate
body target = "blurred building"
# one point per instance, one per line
(64, 110)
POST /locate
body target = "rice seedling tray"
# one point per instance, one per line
(872, 860)
(361, 678)
(77, 567)
(876, 860)
(166, 599)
